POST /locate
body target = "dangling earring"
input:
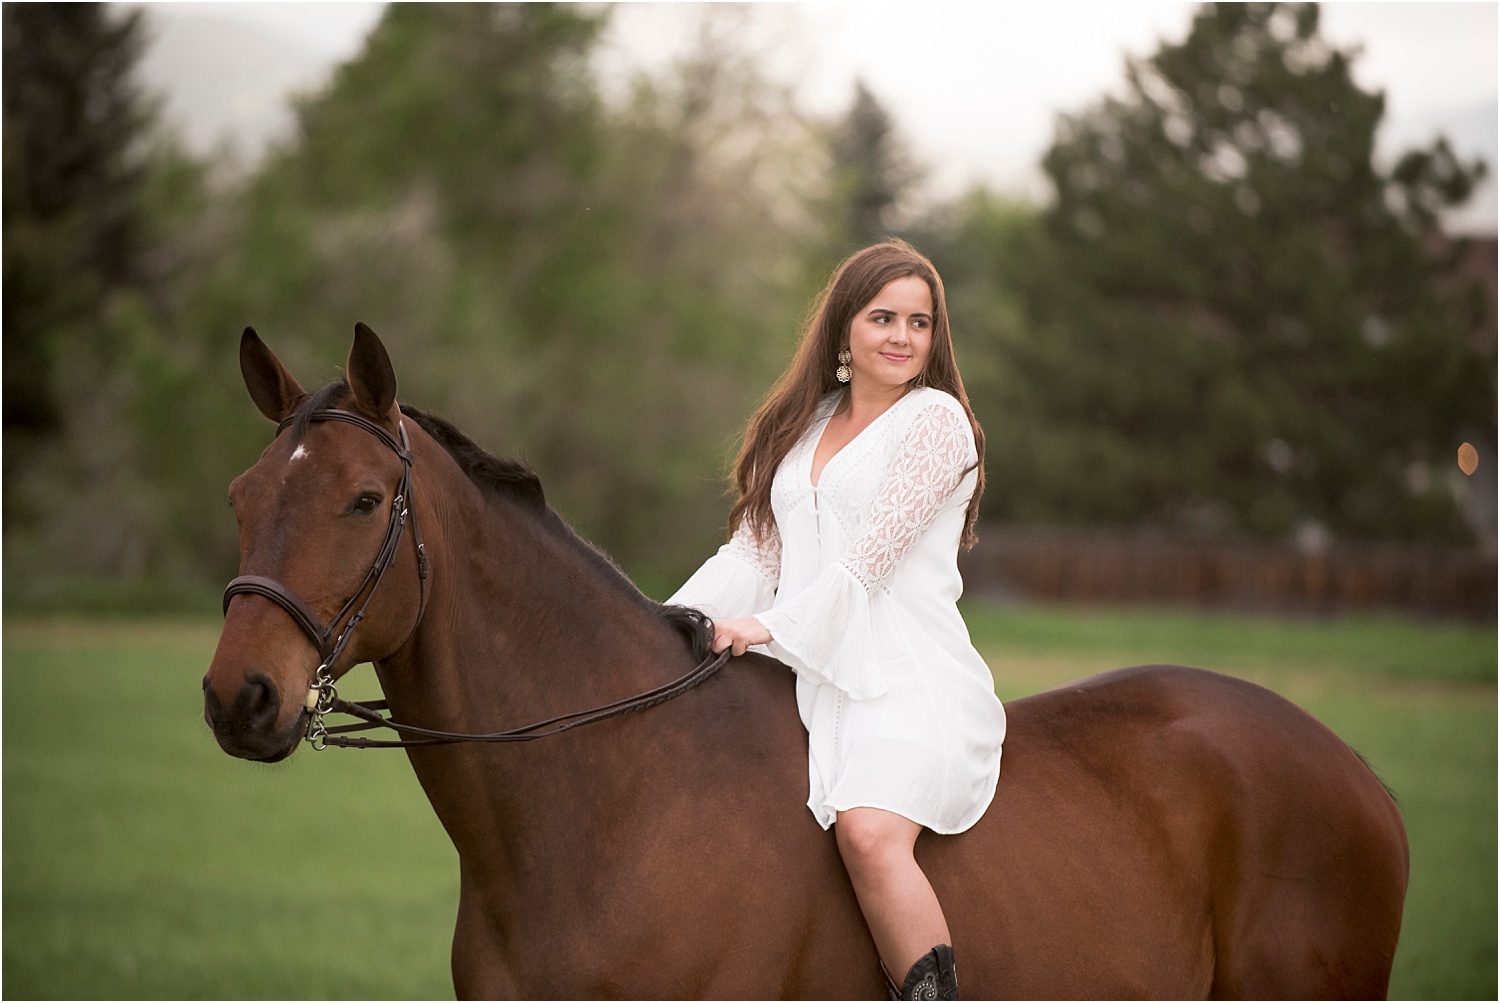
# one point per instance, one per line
(843, 373)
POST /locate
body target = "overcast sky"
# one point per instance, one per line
(974, 87)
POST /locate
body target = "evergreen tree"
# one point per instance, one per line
(97, 201)
(1234, 325)
(872, 170)
(74, 171)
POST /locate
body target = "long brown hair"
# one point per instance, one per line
(786, 412)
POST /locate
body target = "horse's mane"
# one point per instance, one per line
(517, 481)
(491, 473)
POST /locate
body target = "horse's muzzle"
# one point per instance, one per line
(246, 727)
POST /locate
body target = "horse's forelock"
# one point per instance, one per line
(329, 396)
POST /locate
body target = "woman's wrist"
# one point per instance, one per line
(739, 634)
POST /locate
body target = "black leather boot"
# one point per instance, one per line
(933, 977)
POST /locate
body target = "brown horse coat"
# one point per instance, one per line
(1157, 831)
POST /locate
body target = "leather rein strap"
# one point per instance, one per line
(323, 698)
(369, 713)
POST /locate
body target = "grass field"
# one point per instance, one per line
(140, 861)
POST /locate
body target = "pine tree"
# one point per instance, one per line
(872, 170)
(74, 171)
(1235, 326)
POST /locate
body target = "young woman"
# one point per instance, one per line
(859, 478)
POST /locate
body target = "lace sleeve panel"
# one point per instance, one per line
(929, 466)
(764, 555)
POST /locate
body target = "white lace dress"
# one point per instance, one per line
(858, 588)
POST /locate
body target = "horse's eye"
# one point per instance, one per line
(366, 503)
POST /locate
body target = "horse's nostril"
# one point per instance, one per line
(213, 710)
(262, 703)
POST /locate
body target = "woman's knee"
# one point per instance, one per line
(874, 842)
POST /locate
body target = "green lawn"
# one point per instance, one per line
(140, 861)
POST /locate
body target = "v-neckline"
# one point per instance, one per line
(818, 440)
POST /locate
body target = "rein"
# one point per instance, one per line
(369, 712)
(322, 697)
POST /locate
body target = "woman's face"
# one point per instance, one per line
(890, 336)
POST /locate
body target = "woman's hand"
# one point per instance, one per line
(739, 634)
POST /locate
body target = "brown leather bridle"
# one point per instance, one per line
(320, 693)
(322, 698)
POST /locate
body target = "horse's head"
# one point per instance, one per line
(317, 522)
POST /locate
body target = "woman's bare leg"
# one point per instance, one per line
(899, 904)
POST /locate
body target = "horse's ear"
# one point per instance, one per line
(275, 391)
(371, 377)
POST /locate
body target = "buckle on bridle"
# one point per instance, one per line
(320, 700)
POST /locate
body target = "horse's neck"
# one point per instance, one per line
(552, 628)
(522, 627)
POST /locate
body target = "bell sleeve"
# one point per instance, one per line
(738, 580)
(836, 630)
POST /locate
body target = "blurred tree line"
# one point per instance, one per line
(1229, 320)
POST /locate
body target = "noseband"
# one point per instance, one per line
(322, 635)
(322, 697)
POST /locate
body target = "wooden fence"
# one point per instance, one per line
(1092, 566)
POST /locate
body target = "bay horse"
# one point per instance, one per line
(1157, 832)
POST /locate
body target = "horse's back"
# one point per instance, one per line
(1169, 832)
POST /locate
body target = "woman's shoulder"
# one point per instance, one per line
(929, 400)
(931, 416)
